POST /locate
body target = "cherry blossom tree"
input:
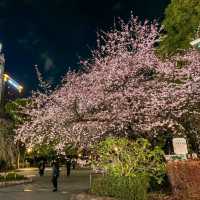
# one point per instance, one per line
(124, 89)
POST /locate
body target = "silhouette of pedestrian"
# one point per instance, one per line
(55, 175)
(41, 168)
(68, 165)
(74, 164)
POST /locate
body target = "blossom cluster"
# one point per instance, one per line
(124, 89)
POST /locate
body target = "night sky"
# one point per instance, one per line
(54, 34)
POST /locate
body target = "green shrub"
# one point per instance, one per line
(123, 188)
(2, 178)
(129, 168)
(12, 177)
(122, 157)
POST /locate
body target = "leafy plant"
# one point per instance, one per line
(123, 188)
(181, 25)
(14, 110)
(12, 176)
(122, 157)
(41, 151)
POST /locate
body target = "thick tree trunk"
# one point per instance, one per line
(18, 160)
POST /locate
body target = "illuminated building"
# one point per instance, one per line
(5, 78)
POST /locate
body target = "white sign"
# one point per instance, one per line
(195, 42)
(180, 146)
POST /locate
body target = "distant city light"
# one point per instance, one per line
(12, 82)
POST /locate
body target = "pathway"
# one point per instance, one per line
(41, 188)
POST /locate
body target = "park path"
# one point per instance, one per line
(41, 187)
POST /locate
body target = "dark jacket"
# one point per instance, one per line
(56, 170)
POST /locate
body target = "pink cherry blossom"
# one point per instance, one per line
(124, 88)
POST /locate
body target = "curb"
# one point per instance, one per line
(12, 183)
(86, 196)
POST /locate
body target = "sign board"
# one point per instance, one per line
(180, 146)
(195, 43)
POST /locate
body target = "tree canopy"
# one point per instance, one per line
(124, 89)
(13, 109)
(182, 19)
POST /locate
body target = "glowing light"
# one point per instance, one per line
(27, 190)
(12, 82)
(115, 149)
(6, 77)
(29, 150)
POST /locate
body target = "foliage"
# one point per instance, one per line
(121, 157)
(41, 152)
(14, 108)
(182, 19)
(71, 150)
(14, 112)
(125, 89)
(192, 127)
(123, 188)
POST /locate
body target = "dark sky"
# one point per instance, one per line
(54, 33)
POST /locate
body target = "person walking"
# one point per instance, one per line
(41, 168)
(55, 175)
(74, 163)
(68, 165)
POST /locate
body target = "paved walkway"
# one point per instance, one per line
(41, 188)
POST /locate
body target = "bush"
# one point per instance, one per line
(12, 177)
(123, 188)
(122, 157)
(128, 166)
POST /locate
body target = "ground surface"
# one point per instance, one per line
(41, 188)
